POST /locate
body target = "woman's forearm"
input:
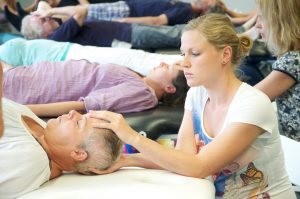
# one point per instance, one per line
(56, 109)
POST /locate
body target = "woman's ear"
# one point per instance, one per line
(227, 54)
(170, 89)
(79, 155)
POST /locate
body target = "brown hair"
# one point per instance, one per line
(181, 90)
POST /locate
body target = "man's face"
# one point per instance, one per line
(48, 25)
(205, 5)
(68, 130)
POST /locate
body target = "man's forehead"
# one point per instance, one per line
(90, 119)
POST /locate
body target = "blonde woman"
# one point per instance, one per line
(240, 143)
(278, 24)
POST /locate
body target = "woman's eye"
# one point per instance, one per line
(195, 54)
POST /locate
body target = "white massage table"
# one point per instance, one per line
(128, 183)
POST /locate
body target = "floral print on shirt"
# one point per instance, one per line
(288, 104)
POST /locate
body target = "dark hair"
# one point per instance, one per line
(181, 90)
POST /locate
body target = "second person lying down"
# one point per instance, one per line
(54, 88)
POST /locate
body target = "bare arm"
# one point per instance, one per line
(157, 20)
(83, 1)
(232, 13)
(225, 148)
(77, 12)
(56, 109)
(275, 84)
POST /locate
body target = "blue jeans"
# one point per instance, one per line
(145, 36)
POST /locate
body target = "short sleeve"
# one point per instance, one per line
(195, 99)
(188, 101)
(289, 64)
(255, 108)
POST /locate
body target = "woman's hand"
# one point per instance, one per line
(117, 124)
(42, 13)
(116, 166)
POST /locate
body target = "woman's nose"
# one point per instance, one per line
(185, 63)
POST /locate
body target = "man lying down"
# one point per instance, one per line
(54, 88)
(33, 152)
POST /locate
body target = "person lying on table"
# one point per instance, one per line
(33, 152)
(22, 52)
(54, 88)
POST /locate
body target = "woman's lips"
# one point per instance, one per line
(188, 75)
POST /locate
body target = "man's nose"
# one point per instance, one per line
(73, 114)
(163, 64)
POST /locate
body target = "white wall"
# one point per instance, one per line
(240, 5)
(237, 5)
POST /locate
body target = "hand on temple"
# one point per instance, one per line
(116, 123)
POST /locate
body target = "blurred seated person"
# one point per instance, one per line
(54, 88)
(33, 152)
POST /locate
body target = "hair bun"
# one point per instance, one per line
(246, 41)
(246, 44)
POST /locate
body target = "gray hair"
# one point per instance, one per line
(31, 30)
(103, 148)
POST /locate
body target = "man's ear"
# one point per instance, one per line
(79, 155)
(170, 89)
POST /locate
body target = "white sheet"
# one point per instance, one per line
(138, 60)
(129, 183)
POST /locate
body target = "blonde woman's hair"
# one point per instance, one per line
(282, 21)
(31, 30)
(219, 31)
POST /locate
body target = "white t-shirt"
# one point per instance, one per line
(24, 165)
(261, 170)
(137, 60)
